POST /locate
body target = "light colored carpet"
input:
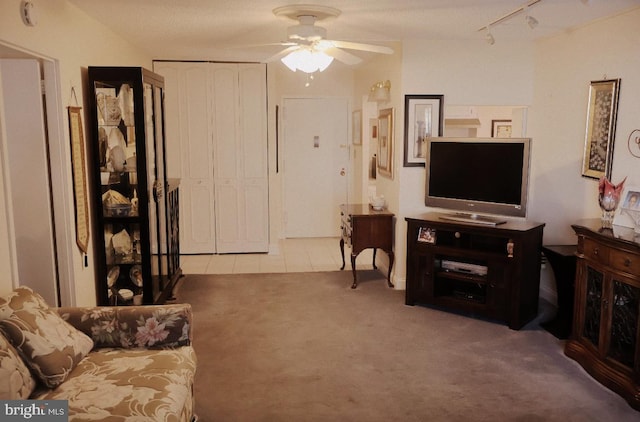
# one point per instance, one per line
(306, 347)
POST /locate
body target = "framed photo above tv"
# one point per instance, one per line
(423, 119)
(601, 128)
(501, 128)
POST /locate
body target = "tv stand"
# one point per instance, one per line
(479, 270)
(473, 218)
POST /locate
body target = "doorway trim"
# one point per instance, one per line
(60, 174)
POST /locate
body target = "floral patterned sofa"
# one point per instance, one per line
(110, 363)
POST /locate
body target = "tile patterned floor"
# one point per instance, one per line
(295, 255)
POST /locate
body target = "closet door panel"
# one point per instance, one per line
(200, 198)
(253, 125)
(256, 216)
(198, 163)
(253, 132)
(188, 129)
(225, 123)
(228, 231)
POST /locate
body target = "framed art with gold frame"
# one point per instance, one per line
(601, 128)
(385, 142)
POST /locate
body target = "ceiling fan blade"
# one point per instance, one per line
(282, 53)
(343, 56)
(362, 47)
(283, 44)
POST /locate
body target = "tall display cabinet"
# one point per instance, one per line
(135, 206)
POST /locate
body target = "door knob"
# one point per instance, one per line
(342, 171)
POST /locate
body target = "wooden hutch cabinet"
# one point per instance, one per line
(135, 206)
(485, 271)
(606, 319)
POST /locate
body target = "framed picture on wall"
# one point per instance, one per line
(423, 119)
(501, 128)
(600, 133)
(385, 142)
(357, 127)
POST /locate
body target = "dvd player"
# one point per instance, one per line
(464, 267)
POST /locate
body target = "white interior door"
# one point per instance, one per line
(315, 134)
(28, 177)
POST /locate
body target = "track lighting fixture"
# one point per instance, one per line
(530, 20)
(489, 38)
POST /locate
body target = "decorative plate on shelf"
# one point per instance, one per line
(135, 274)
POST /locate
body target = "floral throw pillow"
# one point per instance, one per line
(50, 346)
(16, 382)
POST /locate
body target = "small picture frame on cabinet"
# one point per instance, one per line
(628, 212)
(427, 235)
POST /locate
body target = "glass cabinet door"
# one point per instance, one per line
(624, 322)
(118, 166)
(593, 306)
(154, 133)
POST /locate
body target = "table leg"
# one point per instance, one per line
(374, 258)
(353, 269)
(391, 259)
(342, 252)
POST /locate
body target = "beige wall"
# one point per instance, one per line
(68, 36)
(565, 65)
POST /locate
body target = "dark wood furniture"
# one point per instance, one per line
(485, 271)
(562, 259)
(136, 241)
(362, 227)
(606, 324)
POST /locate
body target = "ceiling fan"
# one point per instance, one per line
(307, 48)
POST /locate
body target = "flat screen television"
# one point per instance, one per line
(476, 176)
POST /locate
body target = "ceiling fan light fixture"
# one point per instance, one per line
(307, 60)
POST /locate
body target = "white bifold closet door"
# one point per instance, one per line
(240, 157)
(216, 123)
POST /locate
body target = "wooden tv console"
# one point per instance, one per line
(486, 271)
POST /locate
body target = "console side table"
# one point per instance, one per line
(362, 228)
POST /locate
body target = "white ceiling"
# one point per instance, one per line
(222, 29)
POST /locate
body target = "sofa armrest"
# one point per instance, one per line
(149, 326)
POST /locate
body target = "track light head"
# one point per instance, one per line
(531, 21)
(489, 38)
